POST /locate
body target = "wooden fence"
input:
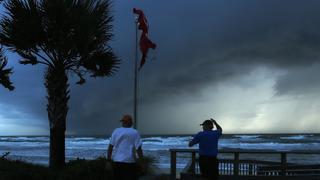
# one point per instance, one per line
(237, 167)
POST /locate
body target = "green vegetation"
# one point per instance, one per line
(79, 169)
(10, 169)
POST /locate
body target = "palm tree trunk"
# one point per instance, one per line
(56, 82)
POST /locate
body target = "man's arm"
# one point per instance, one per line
(109, 155)
(111, 144)
(141, 162)
(217, 125)
(138, 143)
(139, 152)
(191, 143)
(194, 141)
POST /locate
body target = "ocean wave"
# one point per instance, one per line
(247, 136)
(90, 147)
(166, 141)
(271, 146)
(296, 137)
(152, 139)
(24, 139)
(81, 138)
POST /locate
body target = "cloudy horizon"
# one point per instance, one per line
(251, 65)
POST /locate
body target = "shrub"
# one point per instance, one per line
(79, 169)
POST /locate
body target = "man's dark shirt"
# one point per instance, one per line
(208, 142)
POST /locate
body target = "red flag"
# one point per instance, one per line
(145, 42)
(145, 45)
(142, 20)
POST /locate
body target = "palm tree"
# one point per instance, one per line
(68, 37)
(4, 73)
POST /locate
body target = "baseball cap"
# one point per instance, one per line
(206, 122)
(126, 118)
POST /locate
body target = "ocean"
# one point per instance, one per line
(36, 149)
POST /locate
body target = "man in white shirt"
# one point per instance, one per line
(124, 144)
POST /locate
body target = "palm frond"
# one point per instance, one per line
(4, 73)
(21, 26)
(105, 63)
(74, 32)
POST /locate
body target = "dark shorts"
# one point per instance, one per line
(209, 167)
(124, 171)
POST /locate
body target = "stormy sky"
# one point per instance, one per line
(254, 66)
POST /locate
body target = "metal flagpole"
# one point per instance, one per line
(135, 105)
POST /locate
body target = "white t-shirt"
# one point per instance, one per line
(125, 141)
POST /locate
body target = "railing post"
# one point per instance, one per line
(193, 162)
(173, 168)
(250, 169)
(283, 164)
(236, 164)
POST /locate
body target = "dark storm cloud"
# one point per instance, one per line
(29, 93)
(199, 44)
(206, 43)
(255, 34)
(300, 81)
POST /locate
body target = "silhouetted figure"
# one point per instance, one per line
(125, 142)
(208, 148)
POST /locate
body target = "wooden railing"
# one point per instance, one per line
(238, 167)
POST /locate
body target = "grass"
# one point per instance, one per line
(79, 169)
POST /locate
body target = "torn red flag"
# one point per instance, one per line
(145, 45)
(142, 20)
(145, 42)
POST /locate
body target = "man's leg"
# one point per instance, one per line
(124, 171)
(215, 168)
(132, 171)
(118, 170)
(204, 166)
(209, 167)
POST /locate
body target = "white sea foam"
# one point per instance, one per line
(82, 139)
(295, 137)
(246, 137)
(24, 139)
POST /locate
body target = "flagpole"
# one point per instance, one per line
(145, 44)
(135, 106)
